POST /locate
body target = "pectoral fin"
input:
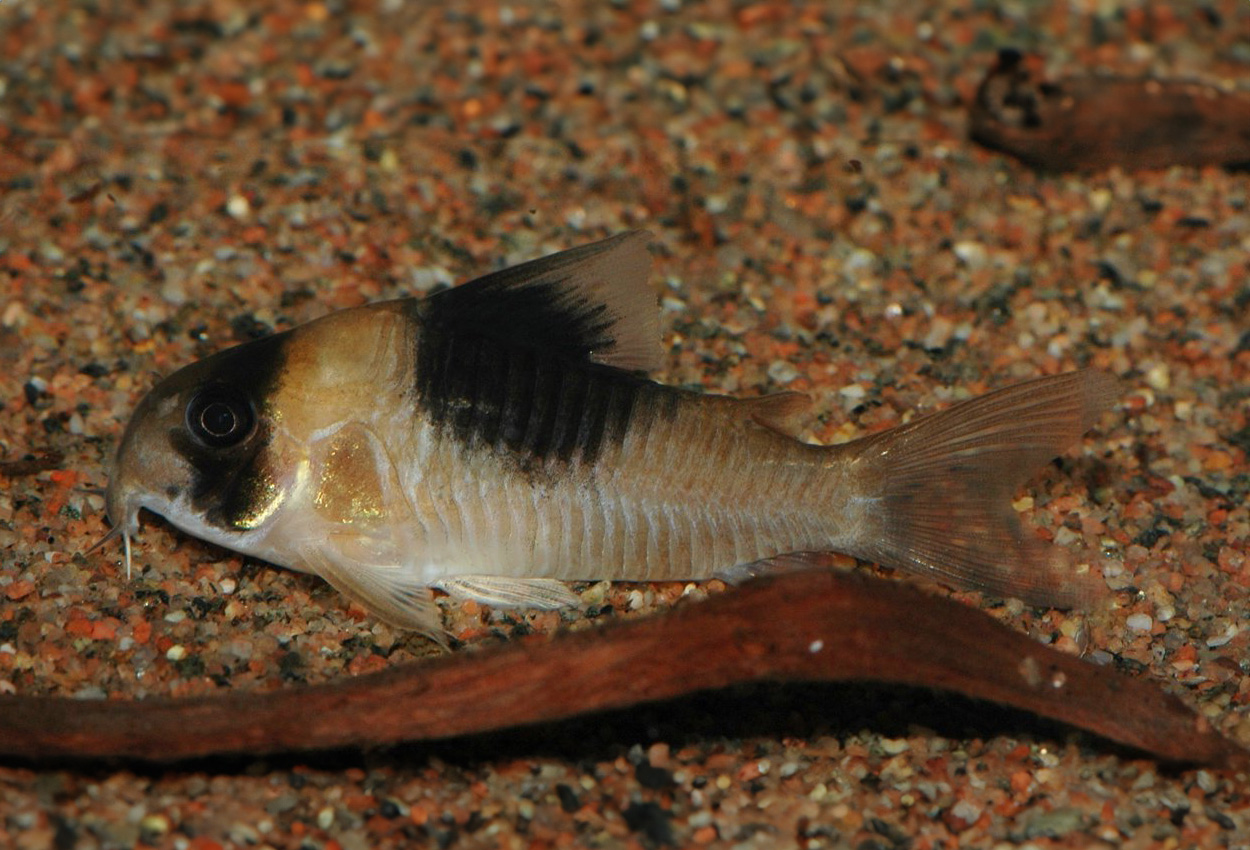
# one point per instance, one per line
(388, 591)
(507, 592)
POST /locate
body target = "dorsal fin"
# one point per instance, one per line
(778, 412)
(588, 303)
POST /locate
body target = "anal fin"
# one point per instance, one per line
(509, 592)
(789, 562)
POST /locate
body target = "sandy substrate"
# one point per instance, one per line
(178, 177)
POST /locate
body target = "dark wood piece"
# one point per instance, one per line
(32, 466)
(810, 626)
(1090, 123)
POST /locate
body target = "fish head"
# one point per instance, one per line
(203, 449)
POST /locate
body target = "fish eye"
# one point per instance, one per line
(219, 417)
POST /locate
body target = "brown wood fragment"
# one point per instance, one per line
(1089, 123)
(814, 626)
(30, 465)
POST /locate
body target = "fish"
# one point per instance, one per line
(499, 439)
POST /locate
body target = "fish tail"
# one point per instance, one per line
(938, 490)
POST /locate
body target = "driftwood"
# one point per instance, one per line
(813, 626)
(1091, 122)
(32, 465)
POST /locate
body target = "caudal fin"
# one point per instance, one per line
(942, 507)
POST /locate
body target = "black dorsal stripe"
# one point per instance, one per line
(515, 361)
(484, 410)
(570, 407)
(540, 418)
(592, 427)
(519, 391)
(588, 303)
(546, 315)
(489, 395)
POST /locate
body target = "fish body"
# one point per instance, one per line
(497, 439)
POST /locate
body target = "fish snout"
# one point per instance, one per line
(144, 468)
